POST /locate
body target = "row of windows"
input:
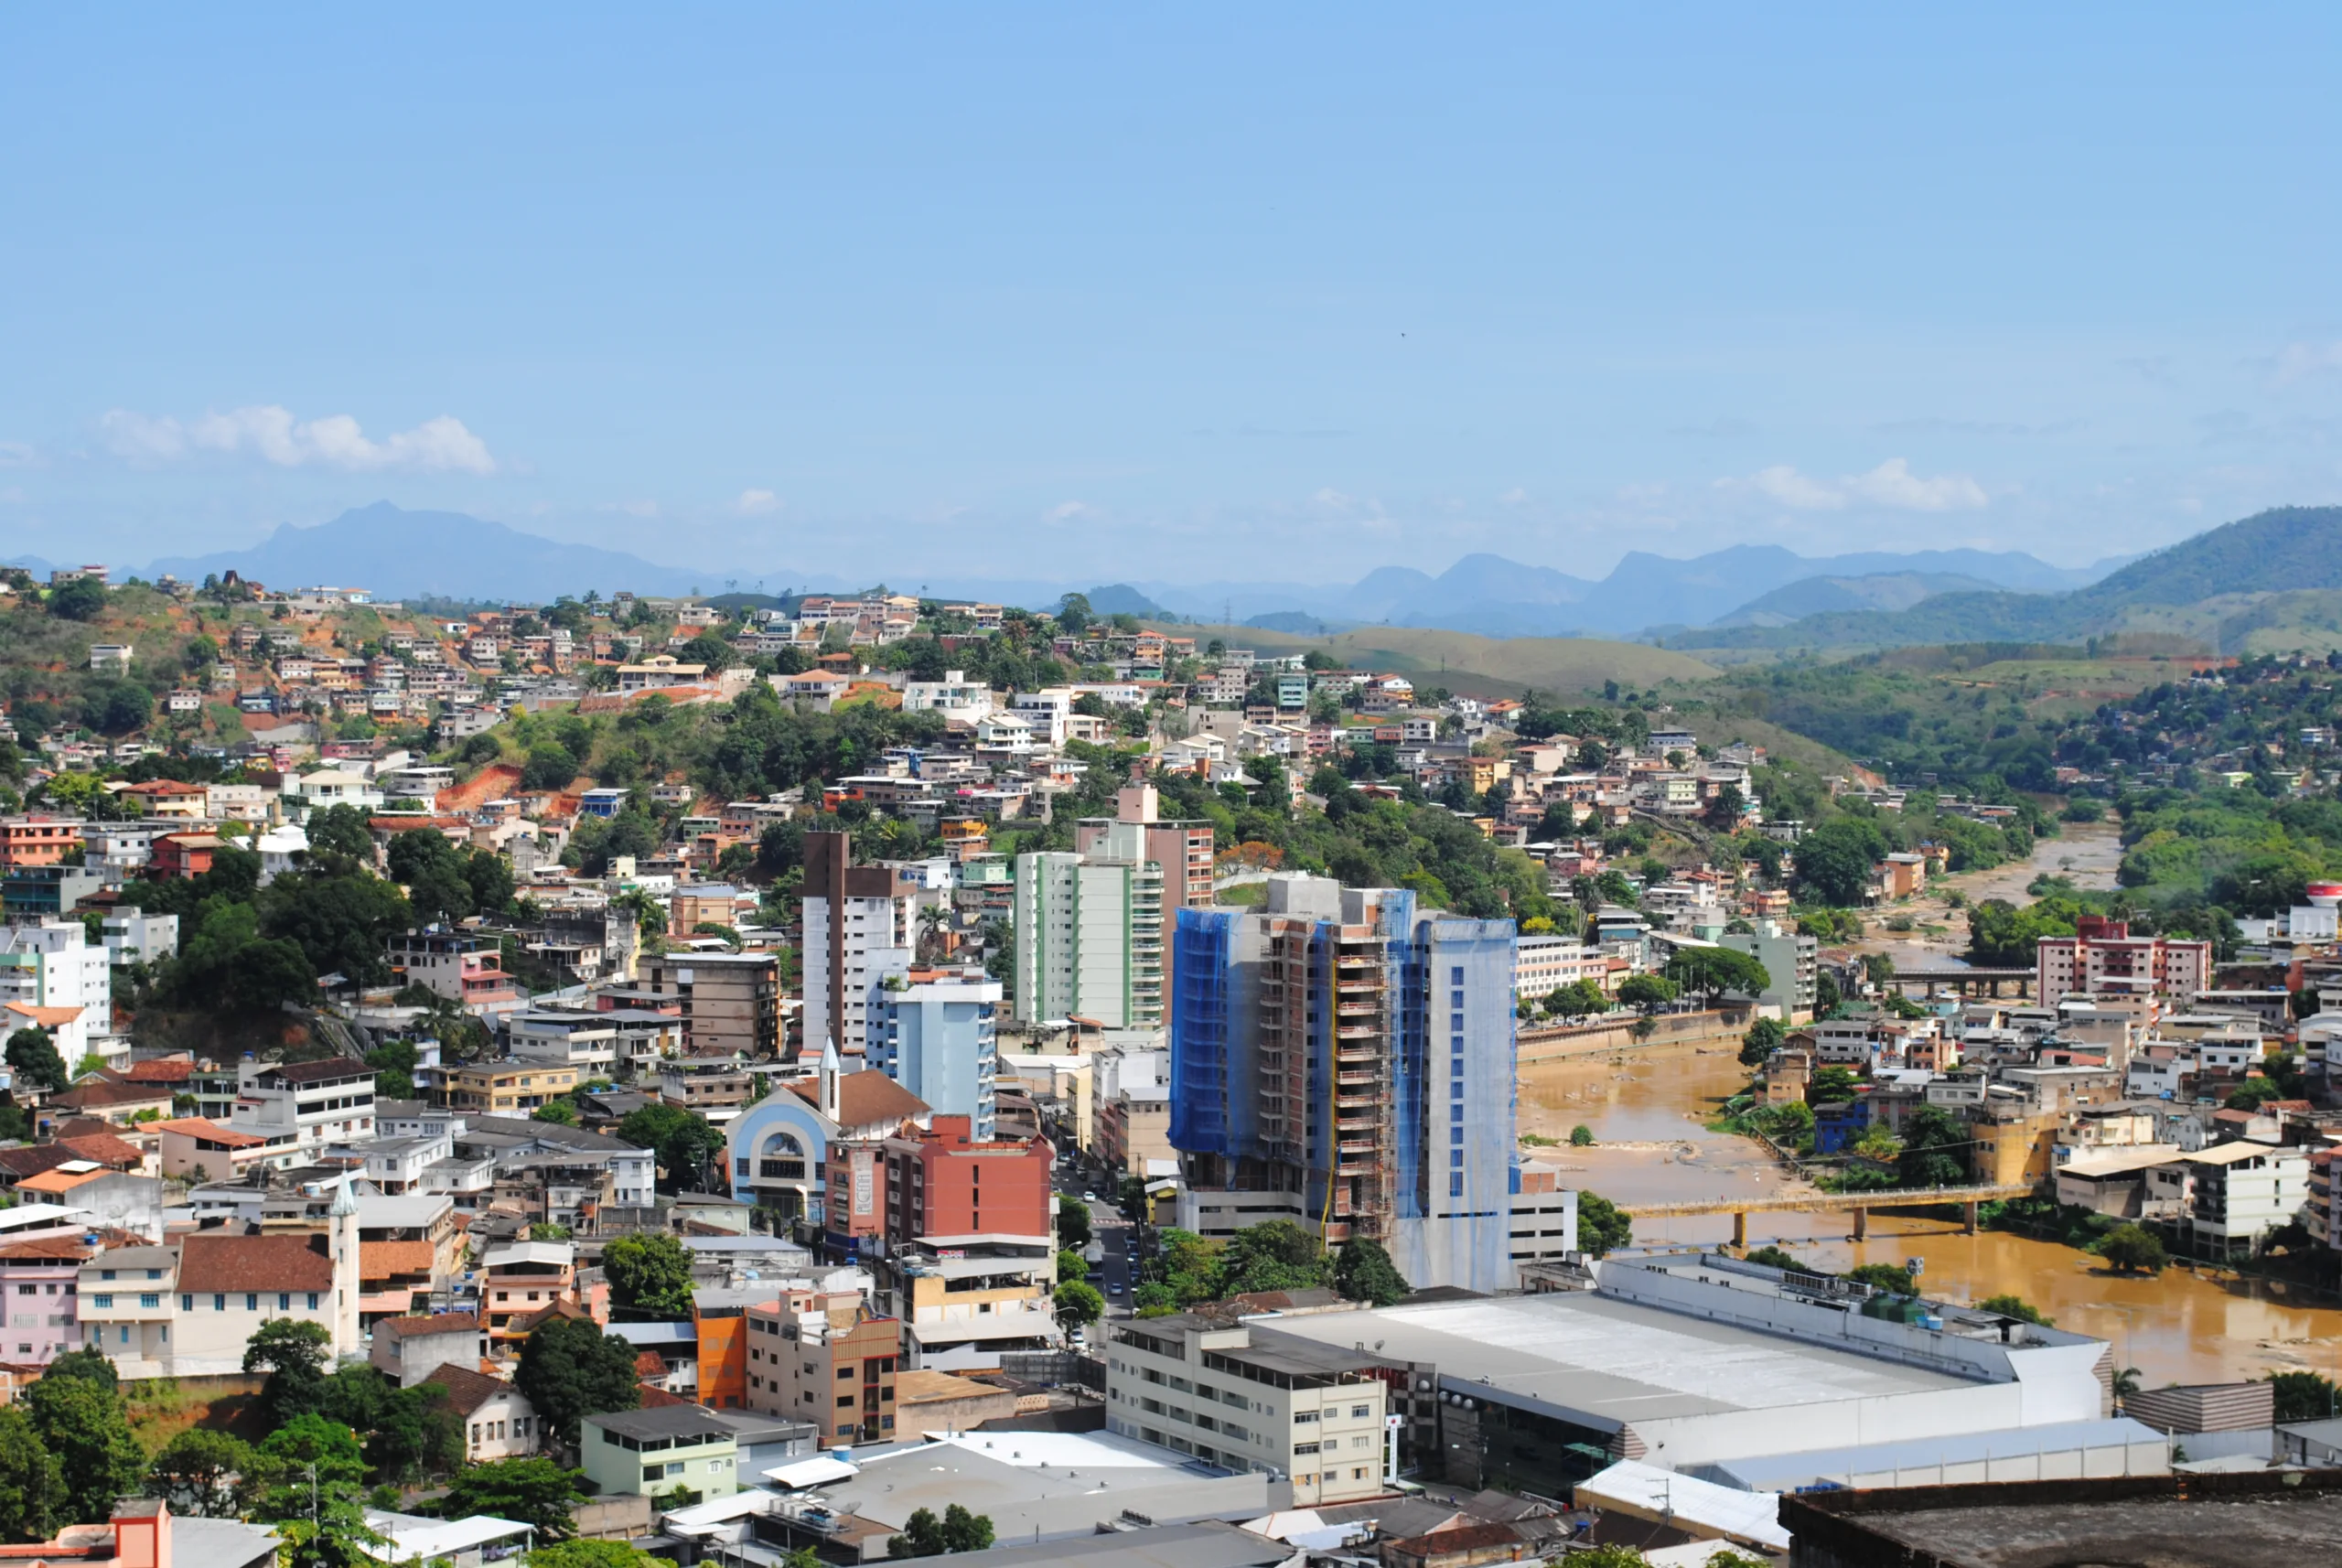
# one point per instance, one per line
(152, 1300)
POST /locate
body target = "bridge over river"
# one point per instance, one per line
(1859, 1203)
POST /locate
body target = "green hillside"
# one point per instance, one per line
(1478, 666)
(2256, 585)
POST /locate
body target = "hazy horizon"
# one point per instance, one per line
(1180, 298)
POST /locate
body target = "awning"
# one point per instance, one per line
(818, 1471)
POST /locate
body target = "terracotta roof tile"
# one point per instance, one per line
(430, 1323)
(468, 1390)
(384, 1259)
(279, 1263)
(866, 1097)
(101, 1095)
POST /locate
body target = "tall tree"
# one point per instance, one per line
(295, 1355)
(570, 1370)
(209, 1474)
(649, 1272)
(681, 1142)
(32, 1482)
(1275, 1255)
(534, 1491)
(31, 1053)
(81, 1421)
(315, 1495)
(1364, 1272)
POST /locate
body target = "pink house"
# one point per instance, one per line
(36, 1278)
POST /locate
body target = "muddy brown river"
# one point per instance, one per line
(1647, 1108)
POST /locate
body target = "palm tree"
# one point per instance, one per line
(2126, 1383)
(930, 932)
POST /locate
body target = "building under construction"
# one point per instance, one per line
(1344, 1061)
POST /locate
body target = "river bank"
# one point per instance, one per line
(1653, 1103)
(2086, 853)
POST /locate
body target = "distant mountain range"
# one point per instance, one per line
(1749, 594)
(1500, 597)
(2220, 586)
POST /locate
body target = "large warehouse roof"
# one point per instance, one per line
(1610, 1360)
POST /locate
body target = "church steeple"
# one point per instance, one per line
(830, 1072)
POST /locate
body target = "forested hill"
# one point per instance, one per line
(2285, 550)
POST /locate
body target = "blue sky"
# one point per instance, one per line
(1194, 294)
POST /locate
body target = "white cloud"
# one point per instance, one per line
(14, 496)
(271, 433)
(1785, 485)
(2296, 360)
(1891, 484)
(756, 503)
(1066, 511)
(1513, 497)
(17, 455)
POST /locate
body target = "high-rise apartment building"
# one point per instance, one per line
(1184, 850)
(1342, 1059)
(934, 1036)
(858, 929)
(1089, 939)
(2103, 958)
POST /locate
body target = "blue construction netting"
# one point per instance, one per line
(1203, 977)
(1455, 1126)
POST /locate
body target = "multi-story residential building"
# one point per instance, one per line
(1131, 1112)
(501, 1089)
(1343, 1053)
(1182, 851)
(729, 1002)
(1792, 965)
(858, 931)
(1088, 941)
(521, 1279)
(52, 978)
(954, 696)
(40, 1280)
(2223, 1200)
(1251, 1398)
(329, 787)
(39, 892)
(2103, 958)
(132, 936)
(984, 1293)
(461, 968)
(712, 1088)
(318, 1103)
(1543, 963)
(38, 840)
(933, 1035)
(187, 1309)
(654, 1452)
(831, 1366)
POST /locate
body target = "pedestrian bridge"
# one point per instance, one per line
(1859, 1203)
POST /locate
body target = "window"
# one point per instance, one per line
(103, 1299)
(186, 1303)
(218, 1303)
(284, 1301)
(1455, 1184)
(1299, 1448)
(29, 1290)
(652, 1473)
(154, 1273)
(125, 1334)
(845, 1401)
(312, 1301)
(715, 1467)
(251, 1302)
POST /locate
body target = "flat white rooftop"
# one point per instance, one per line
(1613, 1359)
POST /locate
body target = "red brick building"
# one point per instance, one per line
(941, 1182)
